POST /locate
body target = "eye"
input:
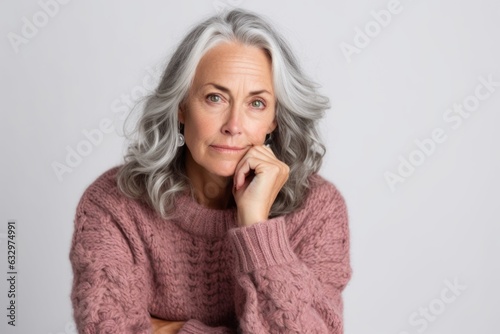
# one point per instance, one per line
(214, 98)
(258, 104)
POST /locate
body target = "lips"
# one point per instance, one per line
(227, 149)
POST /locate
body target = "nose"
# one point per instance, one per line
(233, 121)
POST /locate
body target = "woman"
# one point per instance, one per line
(217, 222)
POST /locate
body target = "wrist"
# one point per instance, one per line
(245, 220)
(261, 246)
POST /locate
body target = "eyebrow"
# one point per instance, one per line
(226, 90)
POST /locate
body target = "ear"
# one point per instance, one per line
(273, 126)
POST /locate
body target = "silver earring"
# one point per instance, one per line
(180, 140)
(180, 137)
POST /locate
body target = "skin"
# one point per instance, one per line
(231, 103)
(166, 327)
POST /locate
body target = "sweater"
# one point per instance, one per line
(282, 275)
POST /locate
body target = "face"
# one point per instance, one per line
(229, 109)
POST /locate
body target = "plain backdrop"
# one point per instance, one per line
(424, 252)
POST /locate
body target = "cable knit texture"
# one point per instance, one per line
(283, 275)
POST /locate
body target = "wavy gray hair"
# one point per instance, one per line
(154, 168)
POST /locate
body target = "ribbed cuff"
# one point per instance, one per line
(261, 245)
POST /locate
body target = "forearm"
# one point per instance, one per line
(277, 291)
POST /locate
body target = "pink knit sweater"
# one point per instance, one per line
(283, 275)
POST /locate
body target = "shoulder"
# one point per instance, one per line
(324, 207)
(104, 187)
(103, 197)
(323, 195)
(105, 225)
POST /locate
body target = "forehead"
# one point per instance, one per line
(229, 61)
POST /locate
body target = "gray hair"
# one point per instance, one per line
(154, 168)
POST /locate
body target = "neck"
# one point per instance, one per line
(210, 190)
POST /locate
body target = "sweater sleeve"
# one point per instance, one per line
(294, 287)
(109, 293)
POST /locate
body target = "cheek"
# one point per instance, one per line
(257, 132)
(197, 131)
(257, 136)
(191, 134)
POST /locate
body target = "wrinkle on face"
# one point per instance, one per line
(234, 72)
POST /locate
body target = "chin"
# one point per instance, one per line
(227, 172)
(224, 169)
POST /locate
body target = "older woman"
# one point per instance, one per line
(217, 222)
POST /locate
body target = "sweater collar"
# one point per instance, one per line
(203, 221)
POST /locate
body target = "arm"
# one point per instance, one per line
(109, 293)
(294, 285)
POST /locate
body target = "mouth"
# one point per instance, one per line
(227, 149)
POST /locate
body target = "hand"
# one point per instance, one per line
(258, 178)
(166, 327)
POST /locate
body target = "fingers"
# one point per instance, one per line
(255, 194)
(242, 170)
(258, 158)
(265, 149)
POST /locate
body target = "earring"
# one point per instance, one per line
(180, 137)
(180, 140)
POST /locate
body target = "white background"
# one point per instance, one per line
(441, 224)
